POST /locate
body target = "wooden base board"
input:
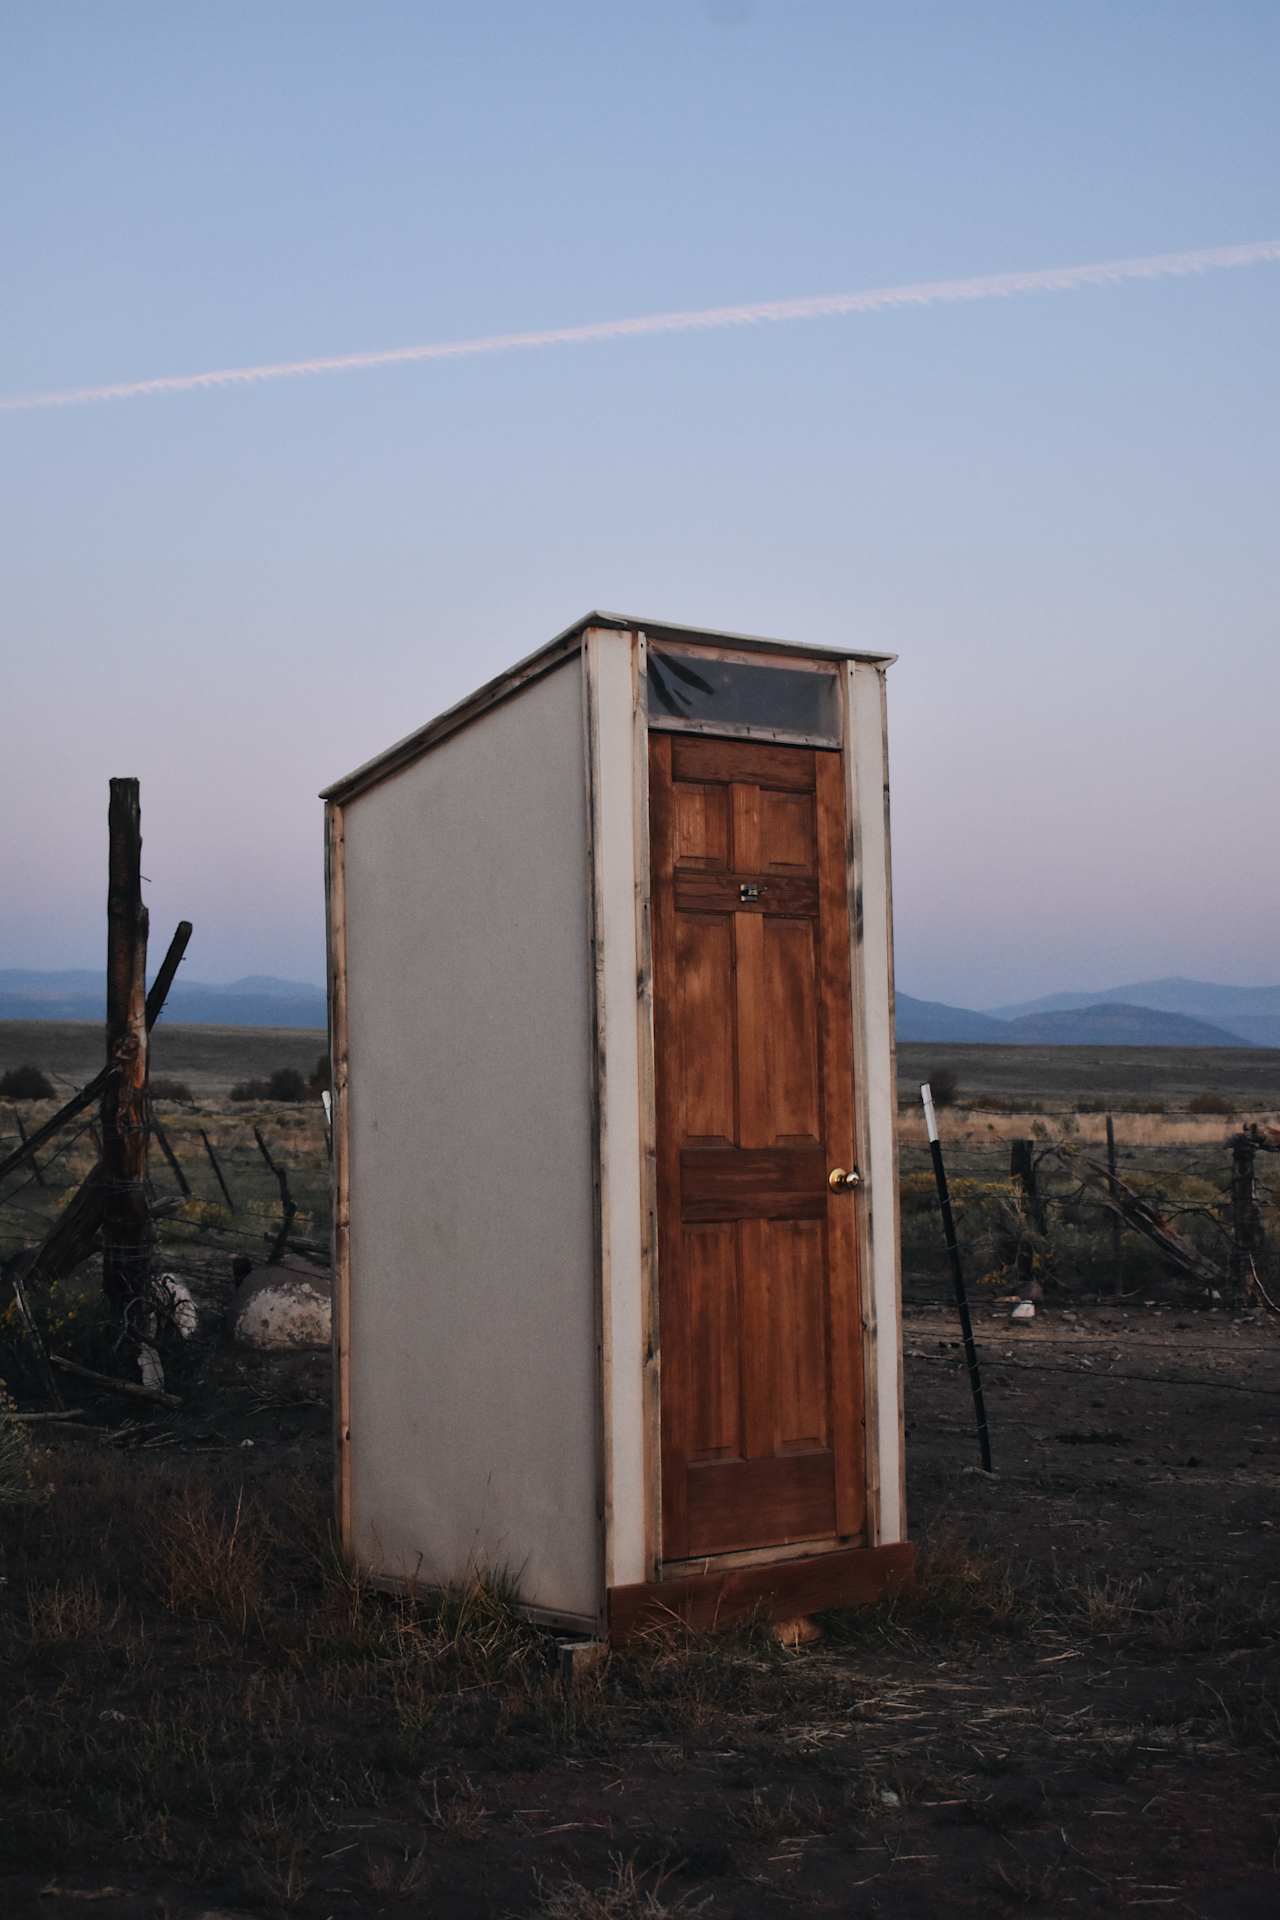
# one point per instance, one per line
(781, 1590)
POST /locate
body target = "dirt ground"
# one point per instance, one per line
(1078, 1710)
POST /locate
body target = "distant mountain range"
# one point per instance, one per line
(259, 1000)
(1250, 1013)
(1154, 1013)
(934, 1020)
(1150, 1013)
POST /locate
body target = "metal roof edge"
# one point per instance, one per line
(751, 642)
(551, 654)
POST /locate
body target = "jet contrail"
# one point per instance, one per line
(926, 293)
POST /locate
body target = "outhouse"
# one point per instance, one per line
(616, 1277)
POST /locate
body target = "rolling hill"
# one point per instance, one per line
(1252, 1014)
(1112, 1024)
(934, 1020)
(259, 1000)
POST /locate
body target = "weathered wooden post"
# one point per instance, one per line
(1246, 1216)
(1022, 1169)
(126, 1217)
(1117, 1277)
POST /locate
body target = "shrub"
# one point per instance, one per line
(320, 1081)
(286, 1083)
(945, 1087)
(26, 1083)
(172, 1090)
(1209, 1103)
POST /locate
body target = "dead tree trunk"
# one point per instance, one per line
(126, 1215)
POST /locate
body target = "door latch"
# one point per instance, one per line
(750, 890)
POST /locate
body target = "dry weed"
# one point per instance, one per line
(1109, 1605)
(17, 1483)
(462, 1813)
(397, 1872)
(628, 1894)
(68, 1610)
(277, 1857)
(768, 1818)
(211, 1563)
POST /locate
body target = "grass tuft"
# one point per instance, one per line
(629, 1893)
(17, 1483)
(211, 1563)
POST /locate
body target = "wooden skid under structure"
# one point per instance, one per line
(780, 1590)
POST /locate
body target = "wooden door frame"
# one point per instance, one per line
(862, 751)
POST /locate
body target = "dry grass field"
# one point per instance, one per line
(1077, 1710)
(1061, 1077)
(210, 1059)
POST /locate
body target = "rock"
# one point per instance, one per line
(285, 1308)
(1025, 1310)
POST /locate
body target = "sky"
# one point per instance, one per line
(1058, 509)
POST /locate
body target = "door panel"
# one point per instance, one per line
(791, 1031)
(710, 1258)
(759, 1312)
(702, 1027)
(701, 827)
(786, 829)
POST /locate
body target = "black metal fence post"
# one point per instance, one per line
(957, 1276)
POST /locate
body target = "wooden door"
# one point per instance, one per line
(760, 1322)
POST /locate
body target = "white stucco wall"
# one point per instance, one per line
(472, 1319)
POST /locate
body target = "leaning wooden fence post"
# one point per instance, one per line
(71, 1238)
(217, 1171)
(162, 1140)
(93, 1090)
(957, 1276)
(288, 1205)
(36, 1172)
(126, 1216)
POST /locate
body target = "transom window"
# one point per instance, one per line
(706, 693)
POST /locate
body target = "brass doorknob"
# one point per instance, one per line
(841, 1182)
